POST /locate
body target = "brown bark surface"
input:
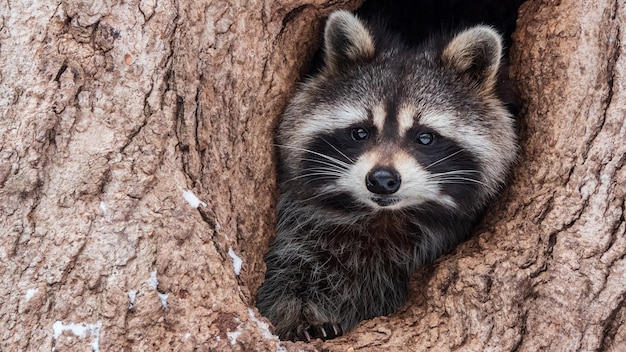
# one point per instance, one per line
(111, 112)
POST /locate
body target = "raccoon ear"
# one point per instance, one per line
(346, 41)
(475, 53)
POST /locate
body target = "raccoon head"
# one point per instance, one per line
(388, 127)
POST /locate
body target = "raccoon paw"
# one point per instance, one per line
(324, 331)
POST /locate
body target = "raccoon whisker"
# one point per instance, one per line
(453, 177)
(306, 200)
(312, 177)
(320, 172)
(444, 180)
(324, 169)
(456, 172)
(334, 166)
(450, 180)
(458, 175)
(328, 157)
(443, 159)
(338, 151)
(329, 169)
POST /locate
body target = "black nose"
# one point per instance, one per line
(383, 181)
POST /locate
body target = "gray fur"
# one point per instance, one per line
(350, 40)
(341, 266)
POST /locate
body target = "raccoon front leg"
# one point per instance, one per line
(287, 296)
(293, 317)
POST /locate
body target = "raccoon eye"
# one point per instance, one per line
(425, 138)
(360, 134)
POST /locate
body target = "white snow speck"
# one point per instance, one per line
(265, 330)
(132, 294)
(233, 335)
(280, 348)
(217, 227)
(264, 327)
(192, 199)
(236, 261)
(163, 298)
(103, 207)
(30, 293)
(186, 336)
(153, 281)
(80, 330)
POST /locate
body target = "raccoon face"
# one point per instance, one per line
(386, 127)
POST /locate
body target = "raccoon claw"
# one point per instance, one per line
(325, 331)
(336, 330)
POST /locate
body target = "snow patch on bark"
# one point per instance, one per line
(192, 199)
(153, 281)
(30, 293)
(163, 298)
(132, 294)
(261, 326)
(80, 330)
(233, 335)
(237, 262)
(264, 328)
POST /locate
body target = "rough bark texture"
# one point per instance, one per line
(110, 111)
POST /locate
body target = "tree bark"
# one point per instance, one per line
(116, 116)
(110, 111)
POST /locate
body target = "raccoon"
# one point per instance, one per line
(387, 158)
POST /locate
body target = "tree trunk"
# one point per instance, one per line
(116, 116)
